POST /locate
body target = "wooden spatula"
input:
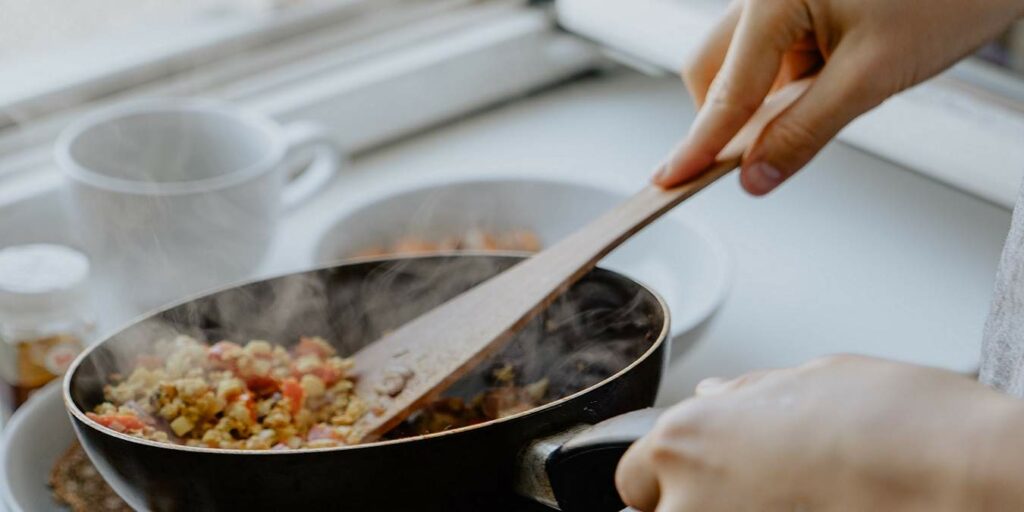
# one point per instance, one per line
(415, 363)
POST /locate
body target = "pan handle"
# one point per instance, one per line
(579, 464)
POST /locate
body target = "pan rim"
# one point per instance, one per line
(80, 417)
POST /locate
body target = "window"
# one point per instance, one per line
(57, 54)
(32, 29)
(328, 60)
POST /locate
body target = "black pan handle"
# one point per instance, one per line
(580, 464)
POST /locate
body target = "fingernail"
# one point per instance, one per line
(766, 176)
(662, 173)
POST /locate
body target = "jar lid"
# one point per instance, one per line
(41, 279)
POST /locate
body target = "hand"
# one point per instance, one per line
(866, 50)
(840, 433)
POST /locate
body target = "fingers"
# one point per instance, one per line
(842, 91)
(636, 479)
(678, 502)
(702, 68)
(834, 360)
(765, 31)
(797, 64)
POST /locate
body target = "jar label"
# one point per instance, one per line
(42, 360)
(59, 358)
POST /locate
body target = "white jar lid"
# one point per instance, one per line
(41, 280)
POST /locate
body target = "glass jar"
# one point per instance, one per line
(45, 317)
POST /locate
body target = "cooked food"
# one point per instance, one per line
(253, 397)
(261, 396)
(503, 398)
(472, 240)
(77, 484)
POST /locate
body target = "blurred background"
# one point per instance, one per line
(525, 88)
(444, 116)
(47, 26)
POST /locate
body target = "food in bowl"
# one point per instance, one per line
(253, 397)
(472, 240)
(79, 486)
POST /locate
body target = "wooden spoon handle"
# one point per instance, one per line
(416, 362)
(600, 237)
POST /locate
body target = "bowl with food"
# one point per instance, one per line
(42, 466)
(680, 256)
(244, 398)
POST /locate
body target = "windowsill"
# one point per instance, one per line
(50, 81)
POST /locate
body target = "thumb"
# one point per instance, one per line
(847, 86)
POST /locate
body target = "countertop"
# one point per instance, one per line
(853, 255)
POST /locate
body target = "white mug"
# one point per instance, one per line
(172, 197)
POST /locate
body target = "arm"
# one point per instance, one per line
(841, 433)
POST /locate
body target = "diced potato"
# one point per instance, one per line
(313, 386)
(181, 426)
(190, 387)
(230, 388)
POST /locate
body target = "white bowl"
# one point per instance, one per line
(680, 258)
(31, 443)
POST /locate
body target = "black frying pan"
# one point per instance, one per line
(603, 346)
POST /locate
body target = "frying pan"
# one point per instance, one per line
(603, 346)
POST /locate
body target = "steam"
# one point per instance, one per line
(593, 331)
(597, 328)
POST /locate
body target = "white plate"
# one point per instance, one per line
(677, 256)
(32, 441)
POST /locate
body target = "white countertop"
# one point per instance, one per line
(853, 255)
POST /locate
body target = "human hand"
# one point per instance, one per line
(839, 433)
(866, 51)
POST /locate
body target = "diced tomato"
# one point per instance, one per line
(233, 394)
(118, 422)
(328, 374)
(216, 353)
(311, 346)
(262, 385)
(291, 390)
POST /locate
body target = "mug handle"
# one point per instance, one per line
(326, 161)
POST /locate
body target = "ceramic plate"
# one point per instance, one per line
(677, 256)
(31, 443)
